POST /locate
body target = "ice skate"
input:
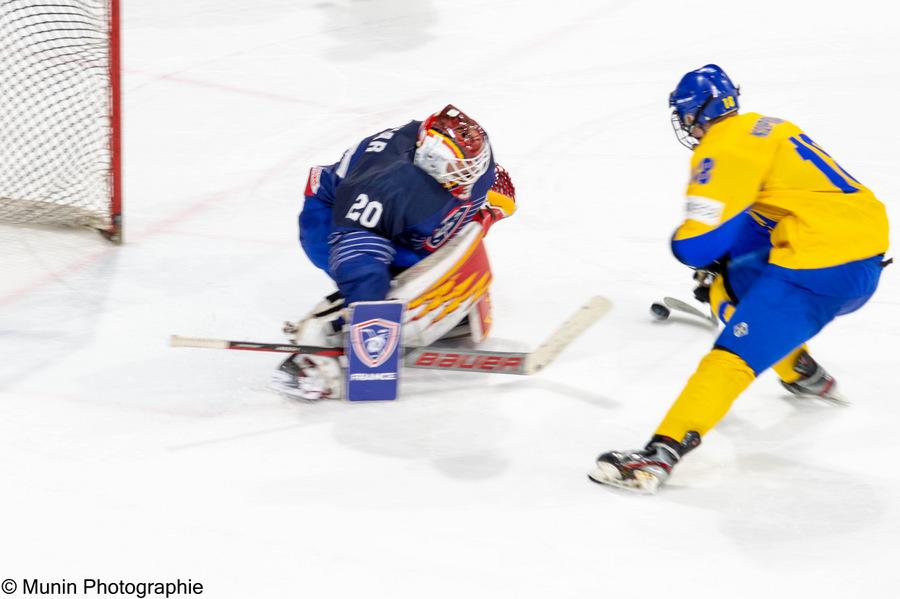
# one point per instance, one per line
(814, 381)
(643, 470)
(309, 377)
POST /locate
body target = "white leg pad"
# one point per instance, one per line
(444, 288)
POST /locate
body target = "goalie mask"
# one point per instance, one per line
(453, 149)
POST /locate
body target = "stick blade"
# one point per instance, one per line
(677, 304)
(592, 311)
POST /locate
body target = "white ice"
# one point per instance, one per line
(122, 458)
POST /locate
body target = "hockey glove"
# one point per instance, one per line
(500, 201)
(704, 279)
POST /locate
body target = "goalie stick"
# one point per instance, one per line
(445, 358)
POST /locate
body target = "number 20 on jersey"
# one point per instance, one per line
(364, 211)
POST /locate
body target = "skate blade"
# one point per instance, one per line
(835, 398)
(831, 397)
(607, 474)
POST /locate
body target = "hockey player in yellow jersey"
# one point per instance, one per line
(795, 241)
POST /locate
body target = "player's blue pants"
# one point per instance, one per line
(316, 225)
(778, 309)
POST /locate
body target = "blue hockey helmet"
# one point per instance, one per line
(702, 96)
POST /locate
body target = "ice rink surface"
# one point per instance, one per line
(122, 458)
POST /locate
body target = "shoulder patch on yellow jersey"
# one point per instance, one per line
(704, 210)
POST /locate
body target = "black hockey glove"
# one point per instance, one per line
(704, 279)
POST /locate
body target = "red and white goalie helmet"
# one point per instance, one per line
(453, 149)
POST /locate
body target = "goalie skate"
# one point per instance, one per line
(309, 377)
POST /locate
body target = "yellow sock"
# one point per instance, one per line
(785, 368)
(708, 395)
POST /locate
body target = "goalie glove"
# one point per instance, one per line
(500, 201)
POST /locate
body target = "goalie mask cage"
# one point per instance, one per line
(60, 139)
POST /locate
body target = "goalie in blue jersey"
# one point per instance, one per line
(424, 194)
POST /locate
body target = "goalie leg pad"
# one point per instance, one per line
(480, 318)
(446, 287)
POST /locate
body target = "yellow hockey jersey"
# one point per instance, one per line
(817, 214)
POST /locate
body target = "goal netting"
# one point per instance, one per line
(59, 113)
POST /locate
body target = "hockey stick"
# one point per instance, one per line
(463, 360)
(686, 308)
(568, 331)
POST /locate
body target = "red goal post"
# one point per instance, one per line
(60, 114)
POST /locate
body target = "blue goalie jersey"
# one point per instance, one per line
(375, 213)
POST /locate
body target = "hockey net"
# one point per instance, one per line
(59, 114)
